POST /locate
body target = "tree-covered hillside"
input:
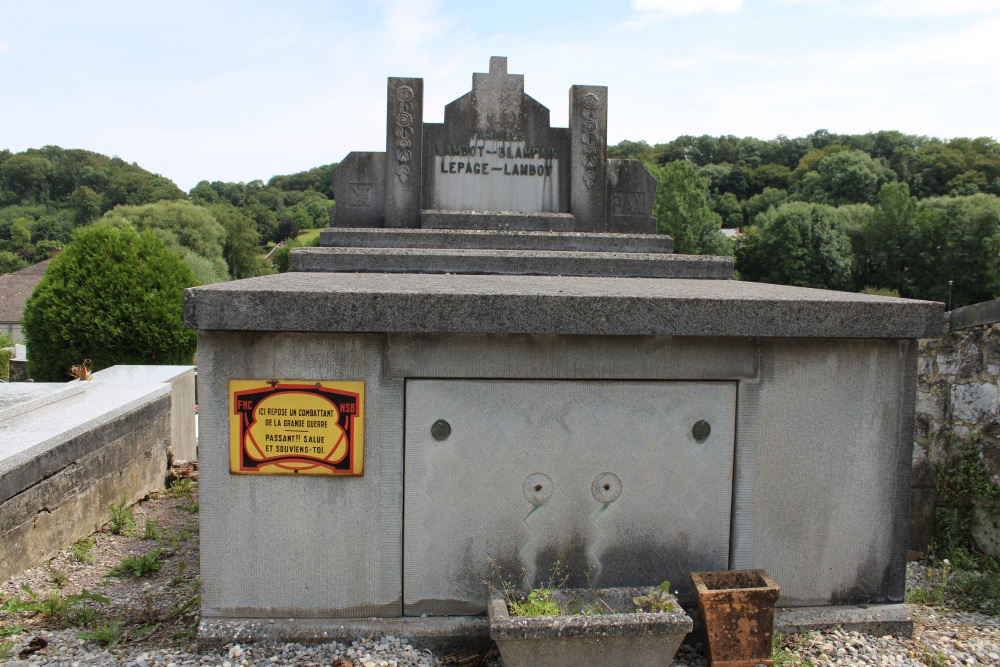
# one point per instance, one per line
(218, 229)
(884, 211)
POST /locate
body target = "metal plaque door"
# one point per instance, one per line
(594, 483)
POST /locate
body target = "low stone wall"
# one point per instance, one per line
(68, 451)
(958, 395)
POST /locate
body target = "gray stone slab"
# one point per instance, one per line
(876, 619)
(588, 129)
(498, 220)
(831, 436)
(295, 546)
(359, 186)
(411, 303)
(38, 443)
(446, 634)
(631, 189)
(978, 314)
(17, 398)
(141, 374)
(442, 635)
(496, 240)
(57, 508)
(614, 489)
(184, 437)
(510, 262)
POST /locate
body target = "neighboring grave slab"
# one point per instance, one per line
(631, 189)
(359, 189)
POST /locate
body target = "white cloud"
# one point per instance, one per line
(930, 8)
(687, 7)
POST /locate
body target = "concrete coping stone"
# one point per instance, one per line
(975, 315)
(442, 219)
(433, 303)
(511, 262)
(494, 240)
(141, 374)
(454, 632)
(40, 432)
(17, 398)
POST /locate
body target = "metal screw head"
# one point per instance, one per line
(607, 487)
(440, 430)
(701, 430)
(537, 488)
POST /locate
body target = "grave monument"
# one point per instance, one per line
(493, 359)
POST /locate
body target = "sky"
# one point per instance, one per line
(238, 91)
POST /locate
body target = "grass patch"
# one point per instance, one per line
(182, 487)
(138, 566)
(110, 634)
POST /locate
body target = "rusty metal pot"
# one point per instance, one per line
(737, 613)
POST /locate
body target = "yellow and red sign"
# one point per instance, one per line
(305, 427)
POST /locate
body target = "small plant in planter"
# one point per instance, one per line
(587, 626)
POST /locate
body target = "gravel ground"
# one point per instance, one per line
(154, 618)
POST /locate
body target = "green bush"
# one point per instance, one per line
(114, 296)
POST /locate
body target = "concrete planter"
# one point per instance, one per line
(737, 612)
(639, 639)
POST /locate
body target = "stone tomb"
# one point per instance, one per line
(535, 396)
(495, 163)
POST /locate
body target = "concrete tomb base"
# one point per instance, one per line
(537, 409)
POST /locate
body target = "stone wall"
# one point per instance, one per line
(958, 395)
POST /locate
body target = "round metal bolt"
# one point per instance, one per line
(607, 487)
(701, 430)
(440, 430)
(537, 488)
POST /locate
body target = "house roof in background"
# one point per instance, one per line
(16, 287)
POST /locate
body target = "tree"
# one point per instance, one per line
(958, 242)
(888, 239)
(10, 262)
(796, 244)
(682, 211)
(86, 205)
(242, 246)
(114, 296)
(187, 229)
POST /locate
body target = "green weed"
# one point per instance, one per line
(179, 579)
(784, 650)
(658, 600)
(539, 602)
(182, 487)
(6, 650)
(152, 530)
(110, 634)
(138, 566)
(52, 606)
(82, 550)
(189, 507)
(122, 517)
(12, 630)
(58, 577)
